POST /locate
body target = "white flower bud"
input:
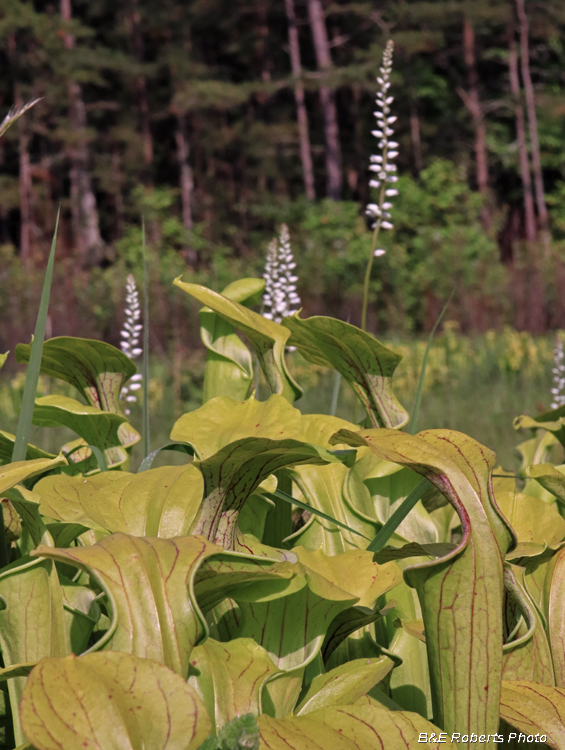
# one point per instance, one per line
(390, 192)
(379, 252)
(387, 225)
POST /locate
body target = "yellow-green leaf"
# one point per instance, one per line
(528, 655)
(345, 684)
(229, 366)
(460, 593)
(223, 420)
(531, 518)
(158, 502)
(12, 474)
(113, 701)
(550, 479)
(149, 584)
(233, 473)
(229, 677)
(554, 601)
(267, 338)
(350, 728)
(7, 441)
(32, 623)
(364, 362)
(108, 431)
(96, 369)
(534, 709)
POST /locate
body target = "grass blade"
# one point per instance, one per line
(335, 394)
(145, 363)
(32, 376)
(416, 410)
(398, 516)
(98, 455)
(23, 430)
(178, 447)
(293, 501)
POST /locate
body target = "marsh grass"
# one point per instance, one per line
(474, 385)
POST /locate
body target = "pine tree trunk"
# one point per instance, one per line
(521, 135)
(327, 99)
(117, 184)
(25, 195)
(473, 104)
(137, 48)
(186, 181)
(415, 134)
(533, 123)
(86, 225)
(24, 174)
(302, 115)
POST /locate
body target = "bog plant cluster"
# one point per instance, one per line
(301, 581)
(248, 598)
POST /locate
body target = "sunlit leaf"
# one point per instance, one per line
(364, 362)
(229, 365)
(531, 518)
(19, 471)
(268, 339)
(149, 587)
(461, 592)
(528, 655)
(32, 623)
(550, 478)
(350, 728)
(229, 677)
(110, 432)
(96, 369)
(534, 709)
(159, 502)
(113, 701)
(553, 421)
(345, 684)
(7, 447)
(233, 473)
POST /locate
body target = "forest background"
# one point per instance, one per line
(219, 120)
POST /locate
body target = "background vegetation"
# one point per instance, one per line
(194, 113)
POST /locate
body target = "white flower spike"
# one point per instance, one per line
(280, 298)
(558, 390)
(381, 163)
(130, 339)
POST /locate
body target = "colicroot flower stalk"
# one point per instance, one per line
(383, 168)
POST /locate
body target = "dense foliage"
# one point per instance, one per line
(192, 606)
(187, 112)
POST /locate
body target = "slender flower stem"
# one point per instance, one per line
(382, 164)
(370, 267)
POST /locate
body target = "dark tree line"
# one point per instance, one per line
(234, 109)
